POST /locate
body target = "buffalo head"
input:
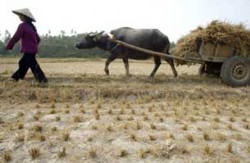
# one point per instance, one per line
(91, 40)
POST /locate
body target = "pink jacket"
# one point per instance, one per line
(29, 39)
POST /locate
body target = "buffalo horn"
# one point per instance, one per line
(92, 34)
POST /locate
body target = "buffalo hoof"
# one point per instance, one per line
(107, 72)
(128, 75)
(175, 74)
(151, 75)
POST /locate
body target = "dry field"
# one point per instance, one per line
(84, 116)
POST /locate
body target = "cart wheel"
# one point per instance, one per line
(235, 71)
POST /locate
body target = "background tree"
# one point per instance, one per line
(57, 46)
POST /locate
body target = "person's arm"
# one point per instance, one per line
(38, 38)
(17, 36)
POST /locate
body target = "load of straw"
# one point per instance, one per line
(217, 32)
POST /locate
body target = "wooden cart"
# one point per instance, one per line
(233, 68)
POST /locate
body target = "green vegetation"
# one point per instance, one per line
(55, 46)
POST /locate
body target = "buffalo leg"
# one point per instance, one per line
(171, 63)
(125, 61)
(157, 61)
(202, 69)
(108, 61)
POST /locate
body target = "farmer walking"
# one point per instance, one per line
(29, 40)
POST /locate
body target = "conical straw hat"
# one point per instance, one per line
(25, 12)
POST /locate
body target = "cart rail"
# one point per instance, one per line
(154, 53)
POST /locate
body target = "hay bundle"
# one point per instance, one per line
(216, 32)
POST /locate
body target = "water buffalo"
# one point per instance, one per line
(151, 39)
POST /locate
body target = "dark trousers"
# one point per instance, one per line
(26, 62)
